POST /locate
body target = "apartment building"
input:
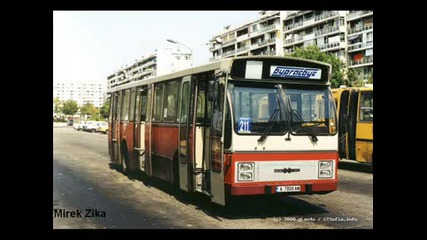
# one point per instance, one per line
(326, 29)
(346, 34)
(258, 37)
(360, 46)
(167, 59)
(84, 92)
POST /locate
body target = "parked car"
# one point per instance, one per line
(103, 128)
(79, 126)
(91, 126)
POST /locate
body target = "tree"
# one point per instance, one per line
(313, 52)
(70, 107)
(57, 105)
(371, 77)
(105, 109)
(352, 78)
(89, 109)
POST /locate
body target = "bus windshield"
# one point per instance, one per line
(261, 106)
(257, 107)
(311, 108)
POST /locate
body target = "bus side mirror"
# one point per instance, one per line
(211, 94)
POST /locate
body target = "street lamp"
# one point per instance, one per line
(176, 42)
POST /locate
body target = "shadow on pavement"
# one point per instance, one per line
(244, 207)
(355, 166)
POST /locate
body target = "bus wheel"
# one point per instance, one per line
(125, 158)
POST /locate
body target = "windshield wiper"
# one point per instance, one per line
(270, 124)
(307, 129)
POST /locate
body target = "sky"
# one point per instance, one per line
(90, 45)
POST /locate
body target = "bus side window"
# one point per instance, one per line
(201, 107)
(170, 101)
(143, 106)
(158, 102)
(125, 106)
(148, 107)
(132, 105)
(366, 108)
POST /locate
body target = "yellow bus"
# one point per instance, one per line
(355, 108)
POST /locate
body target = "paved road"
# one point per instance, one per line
(85, 181)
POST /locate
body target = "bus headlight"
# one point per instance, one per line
(246, 176)
(245, 171)
(326, 169)
(244, 167)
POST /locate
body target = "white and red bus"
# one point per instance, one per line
(238, 126)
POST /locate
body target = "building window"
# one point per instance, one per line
(369, 36)
(178, 57)
(341, 22)
(254, 27)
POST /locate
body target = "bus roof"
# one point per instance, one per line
(223, 65)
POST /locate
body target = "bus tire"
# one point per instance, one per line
(124, 157)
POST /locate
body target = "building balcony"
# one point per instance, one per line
(311, 21)
(225, 54)
(254, 33)
(228, 42)
(242, 37)
(253, 46)
(263, 43)
(330, 46)
(294, 25)
(217, 57)
(367, 60)
(325, 15)
(307, 22)
(292, 40)
(264, 53)
(267, 41)
(360, 46)
(358, 14)
(242, 49)
(308, 37)
(269, 27)
(326, 31)
(357, 30)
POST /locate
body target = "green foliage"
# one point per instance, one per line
(313, 52)
(70, 107)
(58, 105)
(371, 78)
(89, 109)
(352, 78)
(97, 117)
(105, 109)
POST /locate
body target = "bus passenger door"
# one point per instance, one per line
(352, 121)
(184, 153)
(216, 156)
(115, 128)
(139, 135)
(343, 123)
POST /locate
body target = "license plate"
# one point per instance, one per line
(296, 188)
